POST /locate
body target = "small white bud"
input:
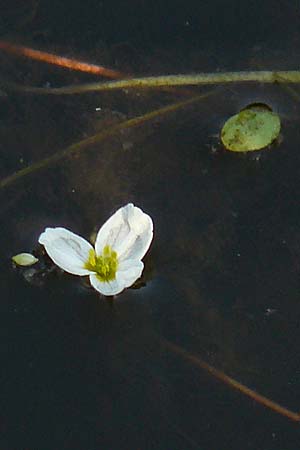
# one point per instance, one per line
(24, 259)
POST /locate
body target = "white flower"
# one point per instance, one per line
(115, 263)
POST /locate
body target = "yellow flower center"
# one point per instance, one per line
(104, 265)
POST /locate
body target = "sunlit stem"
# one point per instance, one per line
(265, 76)
(231, 382)
(51, 58)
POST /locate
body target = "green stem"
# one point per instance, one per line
(288, 76)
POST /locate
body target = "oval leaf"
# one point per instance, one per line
(252, 129)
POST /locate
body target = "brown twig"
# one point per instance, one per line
(61, 61)
(198, 362)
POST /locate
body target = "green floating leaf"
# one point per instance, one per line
(253, 128)
(24, 259)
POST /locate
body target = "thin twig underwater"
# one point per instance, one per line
(284, 78)
(103, 134)
(229, 381)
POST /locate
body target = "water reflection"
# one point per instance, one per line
(91, 373)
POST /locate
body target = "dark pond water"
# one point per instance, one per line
(221, 279)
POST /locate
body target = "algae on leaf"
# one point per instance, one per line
(253, 128)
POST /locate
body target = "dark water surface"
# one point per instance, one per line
(221, 279)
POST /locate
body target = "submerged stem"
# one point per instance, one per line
(231, 382)
(81, 145)
(264, 76)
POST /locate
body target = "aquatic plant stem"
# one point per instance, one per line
(231, 382)
(289, 76)
(105, 133)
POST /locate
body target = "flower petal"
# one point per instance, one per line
(129, 232)
(129, 271)
(68, 250)
(108, 287)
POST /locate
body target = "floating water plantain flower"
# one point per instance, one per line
(115, 262)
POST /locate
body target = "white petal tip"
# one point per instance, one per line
(108, 289)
